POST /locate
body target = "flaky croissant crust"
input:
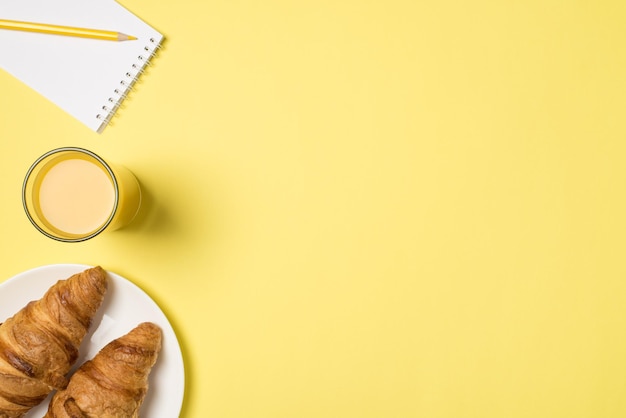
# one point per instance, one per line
(114, 383)
(40, 343)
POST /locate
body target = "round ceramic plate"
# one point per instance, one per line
(125, 306)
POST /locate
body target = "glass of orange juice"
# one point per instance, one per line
(71, 194)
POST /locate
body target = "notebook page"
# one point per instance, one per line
(79, 75)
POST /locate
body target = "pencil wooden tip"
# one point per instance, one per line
(124, 37)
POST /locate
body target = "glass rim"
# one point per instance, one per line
(79, 150)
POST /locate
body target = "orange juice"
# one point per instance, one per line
(76, 196)
(71, 194)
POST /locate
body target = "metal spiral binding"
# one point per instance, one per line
(126, 84)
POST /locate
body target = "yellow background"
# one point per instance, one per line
(368, 208)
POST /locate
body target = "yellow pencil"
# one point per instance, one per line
(65, 30)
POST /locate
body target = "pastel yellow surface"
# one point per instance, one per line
(368, 208)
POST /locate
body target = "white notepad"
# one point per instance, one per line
(87, 78)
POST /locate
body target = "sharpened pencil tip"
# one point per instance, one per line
(124, 37)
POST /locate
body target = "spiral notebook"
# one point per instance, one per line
(88, 78)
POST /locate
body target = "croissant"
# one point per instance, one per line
(40, 343)
(115, 382)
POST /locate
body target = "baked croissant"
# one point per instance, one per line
(114, 383)
(40, 343)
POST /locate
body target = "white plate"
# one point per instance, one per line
(125, 305)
